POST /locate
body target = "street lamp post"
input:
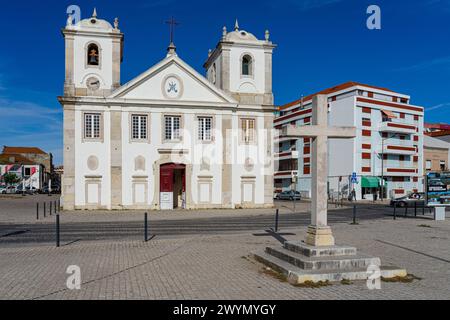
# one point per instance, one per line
(382, 164)
(382, 169)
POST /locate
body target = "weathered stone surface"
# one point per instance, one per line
(300, 269)
(311, 251)
(301, 262)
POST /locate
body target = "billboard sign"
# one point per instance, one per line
(438, 188)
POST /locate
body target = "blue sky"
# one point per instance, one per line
(321, 43)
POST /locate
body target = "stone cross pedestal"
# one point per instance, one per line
(319, 233)
(318, 258)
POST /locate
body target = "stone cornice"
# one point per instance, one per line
(69, 103)
(69, 32)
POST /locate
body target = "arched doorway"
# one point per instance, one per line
(172, 186)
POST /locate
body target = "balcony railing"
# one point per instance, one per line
(399, 149)
(289, 154)
(285, 174)
(397, 126)
(400, 171)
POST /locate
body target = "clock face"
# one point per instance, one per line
(172, 87)
(93, 83)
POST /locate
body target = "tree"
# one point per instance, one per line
(11, 178)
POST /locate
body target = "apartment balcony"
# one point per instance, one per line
(407, 149)
(283, 138)
(285, 174)
(286, 155)
(397, 127)
(399, 171)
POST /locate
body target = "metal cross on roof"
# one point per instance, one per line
(173, 23)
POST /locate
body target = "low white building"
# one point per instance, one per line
(388, 146)
(29, 173)
(169, 138)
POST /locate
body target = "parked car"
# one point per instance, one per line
(44, 190)
(7, 189)
(28, 190)
(289, 195)
(409, 200)
(56, 190)
(33, 190)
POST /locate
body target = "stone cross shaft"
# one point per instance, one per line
(319, 233)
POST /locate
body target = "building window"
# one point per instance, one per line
(92, 125)
(428, 165)
(442, 165)
(247, 65)
(139, 127)
(27, 172)
(93, 56)
(306, 169)
(248, 130)
(172, 127)
(204, 128)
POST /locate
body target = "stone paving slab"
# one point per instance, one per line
(218, 267)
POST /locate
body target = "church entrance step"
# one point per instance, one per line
(323, 263)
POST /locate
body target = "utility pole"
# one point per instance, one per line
(382, 169)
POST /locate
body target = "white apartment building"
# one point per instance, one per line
(388, 146)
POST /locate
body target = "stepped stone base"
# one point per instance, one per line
(300, 263)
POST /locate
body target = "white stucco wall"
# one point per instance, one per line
(104, 71)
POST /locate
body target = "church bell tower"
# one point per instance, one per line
(241, 65)
(93, 56)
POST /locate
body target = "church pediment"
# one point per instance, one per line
(172, 80)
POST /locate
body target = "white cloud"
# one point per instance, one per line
(439, 106)
(25, 123)
(444, 61)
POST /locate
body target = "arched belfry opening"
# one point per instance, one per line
(247, 65)
(93, 55)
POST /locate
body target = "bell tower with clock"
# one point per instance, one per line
(94, 52)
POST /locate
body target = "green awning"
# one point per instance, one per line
(370, 182)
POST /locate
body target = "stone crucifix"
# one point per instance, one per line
(319, 233)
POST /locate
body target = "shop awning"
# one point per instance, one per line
(370, 182)
(389, 114)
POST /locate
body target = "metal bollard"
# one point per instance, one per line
(57, 231)
(406, 210)
(354, 214)
(423, 208)
(415, 208)
(37, 211)
(277, 216)
(45, 210)
(54, 210)
(50, 209)
(395, 215)
(146, 227)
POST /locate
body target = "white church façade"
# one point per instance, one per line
(170, 138)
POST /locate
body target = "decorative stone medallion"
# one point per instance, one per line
(172, 87)
(92, 163)
(205, 165)
(139, 163)
(249, 165)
